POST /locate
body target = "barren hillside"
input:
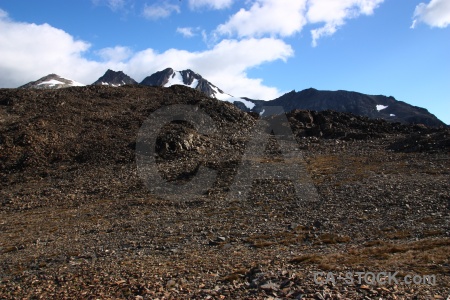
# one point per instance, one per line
(77, 221)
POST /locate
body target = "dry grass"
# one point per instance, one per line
(397, 235)
(332, 238)
(427, 256)
(355, 168)
(432, 232)
(352, 168)
(277, 238)
(307, 259)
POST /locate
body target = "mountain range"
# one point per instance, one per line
(372, 106)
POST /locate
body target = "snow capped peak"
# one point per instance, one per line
(51, 81)
(189, 78)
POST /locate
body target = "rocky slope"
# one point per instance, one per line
(76, 220)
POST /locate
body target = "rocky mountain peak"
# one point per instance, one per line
(159, 78)
(169, 77)
(51, 81)
(114, 78)
(189, 78)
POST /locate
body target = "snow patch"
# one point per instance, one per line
(391, 115)
(74, 83)
(381, 107)
(262, 112)
(247, 103)
(194, 83)
(228, 98)
(51, 82)
(176, 78)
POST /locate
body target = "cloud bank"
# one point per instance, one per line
(335, 13)
(26, 56)
(25, 52)
(284, 18)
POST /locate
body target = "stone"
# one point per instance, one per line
(270, 286)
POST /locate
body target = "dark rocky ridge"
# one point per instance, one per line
(115, 78)
(76, 220)
(355, 103)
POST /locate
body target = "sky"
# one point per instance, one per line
(259, 49)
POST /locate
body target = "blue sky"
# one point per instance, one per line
(254, 48)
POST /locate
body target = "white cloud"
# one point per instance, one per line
(434, 14)
(30, 51)
(266, 17)
(244, 54)
(330, 11)
(334, 14)
(114, 5)
(115, 54)
(212, 4)
(187, 32)
(204, 36)
(160, 11)
(287, 17)
(26, 56)
(327, 30)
